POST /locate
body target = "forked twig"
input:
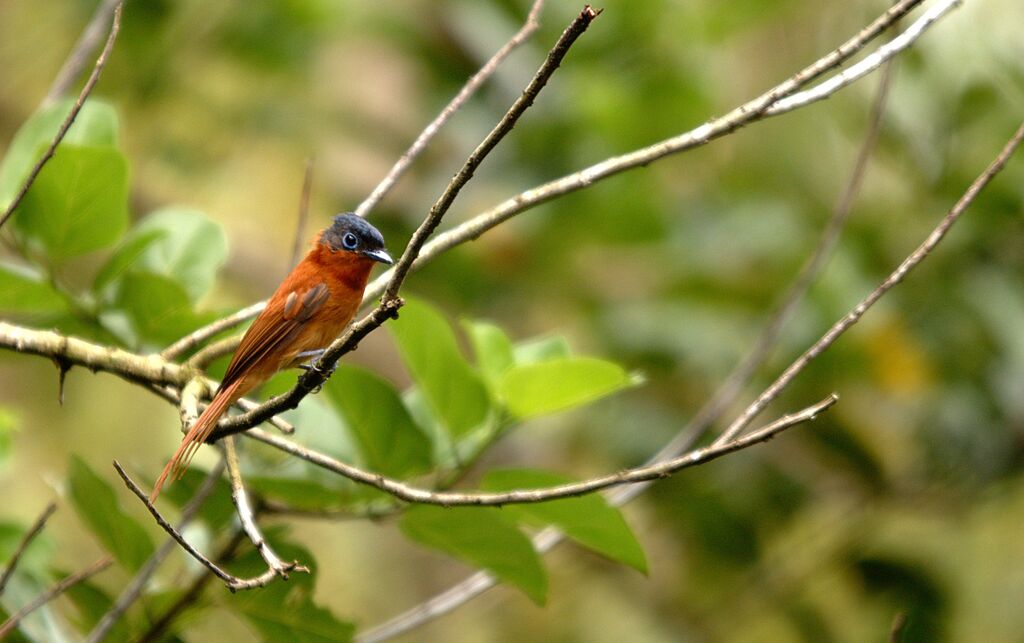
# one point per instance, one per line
(234, 583)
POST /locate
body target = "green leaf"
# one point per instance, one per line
(124, 257)
(79, 202)
(190, 248)
(157, 306)
(286, 611)
(455, 392)
(589, 520)
(96, 505)
(492, 347)
(555, 385)
(96, 125)
(23, 291)
(539, 350)
(390, 442)
(483, 537)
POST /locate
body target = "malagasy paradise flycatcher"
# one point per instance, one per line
(310, 308)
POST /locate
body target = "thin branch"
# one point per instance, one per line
(10, 624)
(26, 540)
(892, 280)
(390, 302)
(409, 493)
(248, 518)
(133, 590)
(191, 595)
(206, 355)
(300, 224)
(200, 335)
(868, 64)
(115, 25)
(233, 583)
(428, 133)
(79, 56)
(504, 126)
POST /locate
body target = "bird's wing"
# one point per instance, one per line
(274, 328)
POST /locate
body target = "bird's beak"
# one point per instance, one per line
(379, 255)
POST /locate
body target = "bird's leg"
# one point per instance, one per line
(313, 356)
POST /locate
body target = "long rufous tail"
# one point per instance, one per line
(197, 435)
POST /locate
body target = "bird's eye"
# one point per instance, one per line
(350, 241)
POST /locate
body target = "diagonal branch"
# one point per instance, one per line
(472, 85)
(115, 25)
(26, 540)
(897, 275)
(134, 589)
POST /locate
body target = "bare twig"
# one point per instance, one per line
(10, 624)
(233, 583)
(300, 224)
(390, 302)
(894, 278)
(26, 540)
(79, 56)
(868, 64)
(191, 595)
(115, 25)
(899, 624)
(504, 126)
(200, 335)
(248, 519)
(133, 590)
(206, 355)
(664, 469)
(428, 133)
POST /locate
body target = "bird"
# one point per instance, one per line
(310, 308)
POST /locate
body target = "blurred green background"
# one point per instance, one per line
(907, 496)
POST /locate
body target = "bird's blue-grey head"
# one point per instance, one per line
(351, 233)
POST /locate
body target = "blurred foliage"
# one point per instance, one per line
(172, 202)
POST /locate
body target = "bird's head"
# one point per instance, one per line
(350, 233)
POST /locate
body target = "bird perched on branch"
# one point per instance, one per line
(308, 311)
